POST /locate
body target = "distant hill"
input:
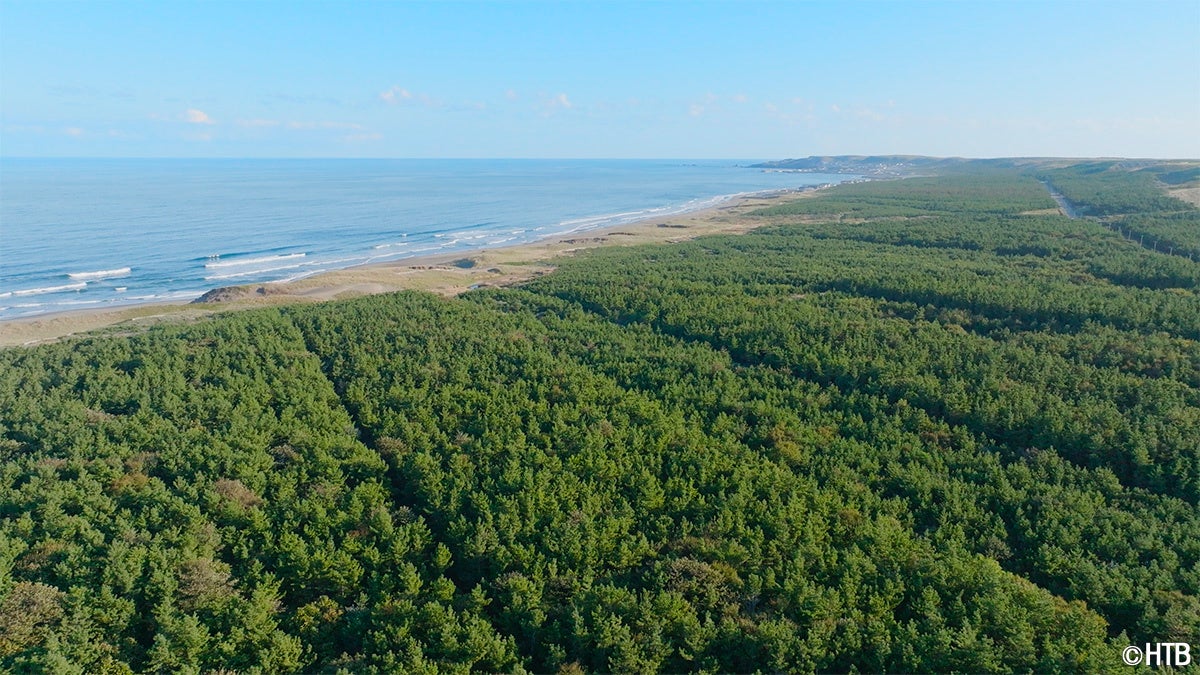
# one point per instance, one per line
(897, 166)
(872, 165)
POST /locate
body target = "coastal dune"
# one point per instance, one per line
(445, 274)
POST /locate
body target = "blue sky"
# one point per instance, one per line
(599, 79)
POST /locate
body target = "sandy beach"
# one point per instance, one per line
(446, 274)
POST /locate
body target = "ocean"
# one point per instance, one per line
(87, 233)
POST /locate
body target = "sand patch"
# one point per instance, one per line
(1190, 195)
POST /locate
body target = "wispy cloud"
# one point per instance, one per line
(362, 138)
(395, 95)
(698, 108)
(194, 116)
(870, 114)
(555, 104)
(73, 131)
(398, 95)
(793, 112)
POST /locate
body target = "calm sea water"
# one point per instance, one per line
(93, 233)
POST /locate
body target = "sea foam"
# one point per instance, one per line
(43, 291)
(101, 274)
(242, 262)
(250, 273)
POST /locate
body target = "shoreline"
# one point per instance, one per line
(447, 274)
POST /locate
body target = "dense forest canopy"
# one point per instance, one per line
(916, 425)
(1133, 203)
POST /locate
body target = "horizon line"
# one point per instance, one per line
(613, 158)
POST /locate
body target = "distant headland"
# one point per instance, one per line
(899, 166)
